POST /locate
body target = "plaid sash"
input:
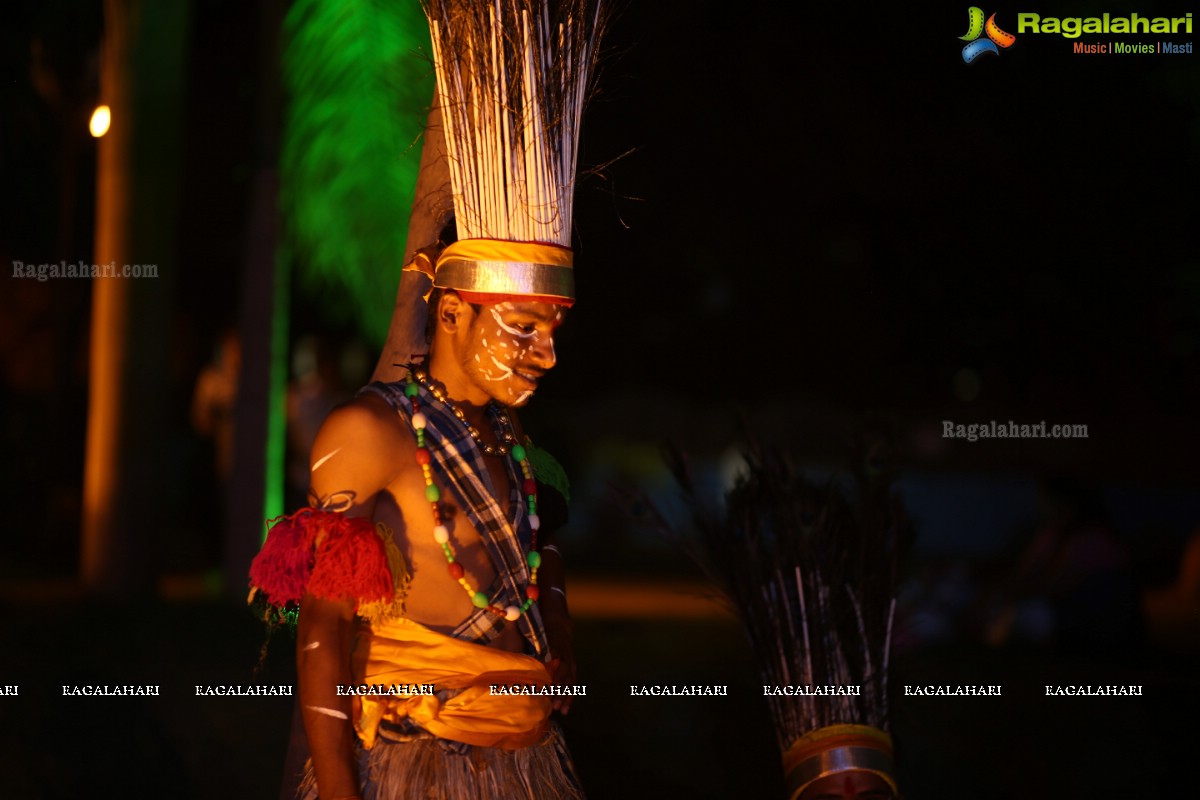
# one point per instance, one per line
(458, 466)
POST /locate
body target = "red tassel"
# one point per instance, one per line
(326, 554)
(282, 567)
(351, 562)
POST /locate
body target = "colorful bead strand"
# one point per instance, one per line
(441, 534)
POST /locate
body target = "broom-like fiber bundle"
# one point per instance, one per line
(811, 571)
(512, 77)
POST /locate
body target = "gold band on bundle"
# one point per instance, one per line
(495, 267)
(838, 748)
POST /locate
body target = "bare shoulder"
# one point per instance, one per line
(367, 415)
(359, 448)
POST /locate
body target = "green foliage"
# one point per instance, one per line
(358, 86)
(547, 470)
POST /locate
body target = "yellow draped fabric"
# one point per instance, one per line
(401, 651)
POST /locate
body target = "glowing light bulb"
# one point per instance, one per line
(101, 117)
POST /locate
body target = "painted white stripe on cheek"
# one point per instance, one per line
(507, 370)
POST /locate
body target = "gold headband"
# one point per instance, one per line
(496, 267)
(838, 748)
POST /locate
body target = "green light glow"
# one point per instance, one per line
(273, 484)
(358, 90)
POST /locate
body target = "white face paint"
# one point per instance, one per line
(509, 359)
(312, 646)
(504, 327)
(505, 370)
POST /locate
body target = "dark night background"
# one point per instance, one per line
(825, 217)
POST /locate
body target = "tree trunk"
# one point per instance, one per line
(136, 224)
(256, 486)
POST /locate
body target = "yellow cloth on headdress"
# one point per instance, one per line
(504, 269)
(403, 652)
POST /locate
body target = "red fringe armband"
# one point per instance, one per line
(324, 553)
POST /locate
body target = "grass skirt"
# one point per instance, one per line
(422, 767)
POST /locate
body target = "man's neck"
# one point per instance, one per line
(459, 390)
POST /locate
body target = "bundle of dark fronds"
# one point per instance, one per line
(512, 77)
(811, 570)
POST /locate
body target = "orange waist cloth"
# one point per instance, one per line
(401, 651)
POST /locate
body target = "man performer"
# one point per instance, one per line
(423, 573)
(366, 464)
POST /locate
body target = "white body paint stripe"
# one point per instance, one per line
(325, 458)
(329, 712)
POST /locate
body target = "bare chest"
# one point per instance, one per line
(435, 596)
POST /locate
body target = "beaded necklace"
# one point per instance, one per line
(504, 433)
(441, 533)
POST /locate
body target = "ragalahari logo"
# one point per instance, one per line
(976, 27)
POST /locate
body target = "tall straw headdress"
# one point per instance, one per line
(512, 77)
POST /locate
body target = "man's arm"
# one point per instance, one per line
(324, 638)
(552, 602)
(552, 595)
(354, 458)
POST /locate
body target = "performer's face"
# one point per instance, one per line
(510, 348)
(852, 785)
